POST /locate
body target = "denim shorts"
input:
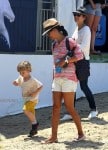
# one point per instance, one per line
(95, 12)
(64, 85)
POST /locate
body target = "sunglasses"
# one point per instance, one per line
(77, 14)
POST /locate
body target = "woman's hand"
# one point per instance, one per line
(61, 64)
(103, 6)
(93, 6)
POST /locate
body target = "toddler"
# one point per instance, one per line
(31, 88)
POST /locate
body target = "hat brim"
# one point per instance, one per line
(45, 32)
(78, 12)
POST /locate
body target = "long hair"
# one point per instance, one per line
(62, 30)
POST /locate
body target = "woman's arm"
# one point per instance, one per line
(92, 4)
(77, 54)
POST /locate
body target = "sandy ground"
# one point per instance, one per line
(14, 129)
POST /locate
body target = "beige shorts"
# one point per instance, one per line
(64, 85)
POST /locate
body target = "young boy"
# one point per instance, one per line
(31, 88)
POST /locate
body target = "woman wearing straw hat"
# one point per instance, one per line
(65, 81)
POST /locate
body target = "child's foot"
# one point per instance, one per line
(34, 130)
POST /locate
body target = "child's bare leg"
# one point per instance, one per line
(30, 116)
(29, 111)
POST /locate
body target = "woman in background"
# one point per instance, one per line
(82, 35)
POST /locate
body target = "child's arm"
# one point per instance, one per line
(15, 83)
(18, 81)
(33, 94)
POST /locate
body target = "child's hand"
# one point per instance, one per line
(28, 94)
(15, 83)
(32, 94)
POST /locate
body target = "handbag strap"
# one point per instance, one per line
(68, 46)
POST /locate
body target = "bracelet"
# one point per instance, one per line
(66, 61)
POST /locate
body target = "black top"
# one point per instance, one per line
(95, 1)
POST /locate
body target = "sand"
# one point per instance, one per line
(14, 129)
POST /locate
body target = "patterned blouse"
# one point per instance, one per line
(59, 51)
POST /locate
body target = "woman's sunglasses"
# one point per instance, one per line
(77, 14)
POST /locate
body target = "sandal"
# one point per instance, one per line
(79, 138)
(94, 52)
(49, 141)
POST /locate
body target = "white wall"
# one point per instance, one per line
(64, 13)
(10, 96)
(98, 81)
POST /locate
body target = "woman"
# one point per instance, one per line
(82, 35)
(94, 11)
(65, 81)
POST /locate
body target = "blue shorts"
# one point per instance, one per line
(95, 12)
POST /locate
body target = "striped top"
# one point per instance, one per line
(59, 51)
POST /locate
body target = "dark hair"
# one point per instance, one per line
(61, 29)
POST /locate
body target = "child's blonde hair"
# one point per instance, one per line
(24, 65)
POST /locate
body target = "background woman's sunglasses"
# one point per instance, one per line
(77, 14)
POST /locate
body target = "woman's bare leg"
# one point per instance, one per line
(90, 20)
(69, 103)
(93, 21)
(93, 31)
(57, 101)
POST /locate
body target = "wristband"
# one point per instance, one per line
(66, 61)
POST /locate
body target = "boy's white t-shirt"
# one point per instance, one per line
(28, 87)
(83, 38)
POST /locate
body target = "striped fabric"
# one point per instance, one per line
(59, 51)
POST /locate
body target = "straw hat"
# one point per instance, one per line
(49, 24)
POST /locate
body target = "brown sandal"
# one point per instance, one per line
(49, 141)
(79, 138)
(94, 52)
